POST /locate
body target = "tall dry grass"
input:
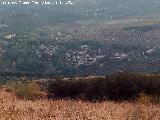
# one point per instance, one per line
(26, 90)
(12, 108)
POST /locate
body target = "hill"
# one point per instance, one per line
(87, 38)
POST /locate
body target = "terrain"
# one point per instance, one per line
(16, 109)
(58, 62)
(87, 38)
(123, 96)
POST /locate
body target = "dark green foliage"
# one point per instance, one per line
(122, 86)
(64, 89)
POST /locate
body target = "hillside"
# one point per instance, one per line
(87, 38)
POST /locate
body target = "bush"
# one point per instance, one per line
(64, 89)
(121, 86)
(26, 90)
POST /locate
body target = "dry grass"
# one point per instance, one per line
(12, 108)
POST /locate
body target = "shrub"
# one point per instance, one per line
(63, 89)
(120, 86)
(26, 90)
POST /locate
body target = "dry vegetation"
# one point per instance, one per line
(12, 108)
(29, 100)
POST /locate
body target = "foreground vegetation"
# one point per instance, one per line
(12, 108)
(118, 87)
(121, 86)
(123, 96)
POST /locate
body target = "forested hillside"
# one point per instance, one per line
(88, 37)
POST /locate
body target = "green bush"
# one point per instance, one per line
(121, 86)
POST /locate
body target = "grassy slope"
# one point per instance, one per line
(12, 108)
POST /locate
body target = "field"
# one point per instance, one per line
(12, 108)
